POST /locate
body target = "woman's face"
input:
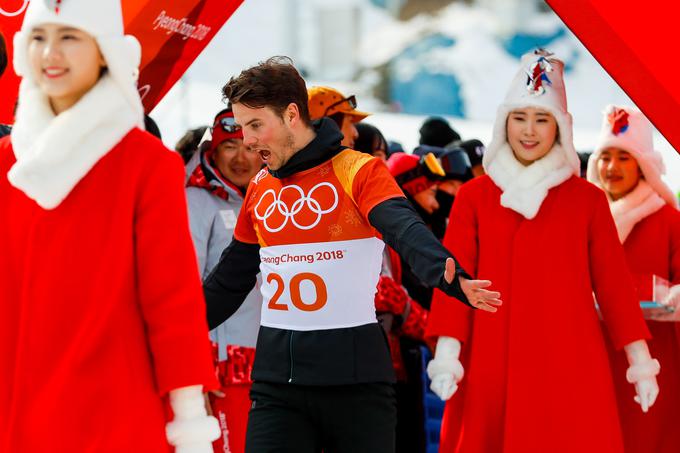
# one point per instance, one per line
(619, 172)
(66, 63)
(531, 133)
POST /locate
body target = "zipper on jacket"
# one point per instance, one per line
(290, 348)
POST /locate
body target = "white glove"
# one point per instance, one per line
(642, 373)
(445, 370)
(192, 430)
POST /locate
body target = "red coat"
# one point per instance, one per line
(653, 247)
(537, 375)
(101, 308)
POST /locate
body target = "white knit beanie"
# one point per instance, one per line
(539, 83)
(628, 129)
(103, 20)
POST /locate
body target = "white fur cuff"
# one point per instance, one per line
(644, 370)
(449, 367)
(194, 431)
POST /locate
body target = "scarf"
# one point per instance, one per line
(53, 153)
(635, 206)
(525, 188)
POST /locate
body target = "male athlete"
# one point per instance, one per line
(310, 223)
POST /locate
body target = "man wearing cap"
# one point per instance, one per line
(327, 101)
(215, 193)
(322, 375)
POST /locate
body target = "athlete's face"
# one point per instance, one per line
(267, 133)
(619, 172)
(237, 162)
(531, 133)
(66, 63)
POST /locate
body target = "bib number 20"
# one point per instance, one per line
(294, 289)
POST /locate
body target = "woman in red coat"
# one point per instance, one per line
(537, 377)
(626, 166)
(101, 308)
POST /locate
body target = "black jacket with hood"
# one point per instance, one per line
(332, 356)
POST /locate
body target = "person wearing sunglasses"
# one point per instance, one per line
(215, 193)
(327, 101)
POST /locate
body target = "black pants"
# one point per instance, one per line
(286, 418)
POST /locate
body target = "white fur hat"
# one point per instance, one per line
(539, 83)
(628, 129)
(103, 20)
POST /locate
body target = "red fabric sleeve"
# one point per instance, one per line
(169, 285)
(449, 317)
(611, 279)
(245, 230)
(372, 185)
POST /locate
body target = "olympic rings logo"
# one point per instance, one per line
(21, 9)
(289, 213)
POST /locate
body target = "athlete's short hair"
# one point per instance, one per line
(274, 83)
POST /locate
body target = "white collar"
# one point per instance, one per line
(53, 153)
(635, 206)
(525, 188)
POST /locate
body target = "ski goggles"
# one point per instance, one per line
(456, 165)
(228, 124)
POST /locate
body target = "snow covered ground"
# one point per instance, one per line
(262, 28)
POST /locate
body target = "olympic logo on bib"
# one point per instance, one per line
(20, 10)
(290, 213)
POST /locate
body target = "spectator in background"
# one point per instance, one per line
(215, 193)
(394, 147)
(457, 169)
(436, 131)
(404, 315)
(475, 150)
(626, 166)
(371, 141)
(188, 144)
(4, 129)
(326, 101)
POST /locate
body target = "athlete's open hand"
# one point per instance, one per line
(474, 289)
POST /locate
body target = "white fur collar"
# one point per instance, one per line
(635, 206)
(525, 188)
(54, 153)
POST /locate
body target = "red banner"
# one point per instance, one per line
(172, 34)
(635, 44)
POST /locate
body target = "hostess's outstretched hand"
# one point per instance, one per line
(474, 289)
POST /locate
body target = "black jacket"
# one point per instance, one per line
(334, 356)
(5, 130)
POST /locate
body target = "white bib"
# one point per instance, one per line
(316, 286)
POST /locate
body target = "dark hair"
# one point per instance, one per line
(274, 83)
(151, 127)
(188, 144)
(370, 138)
(3, 55)
(436, 131)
